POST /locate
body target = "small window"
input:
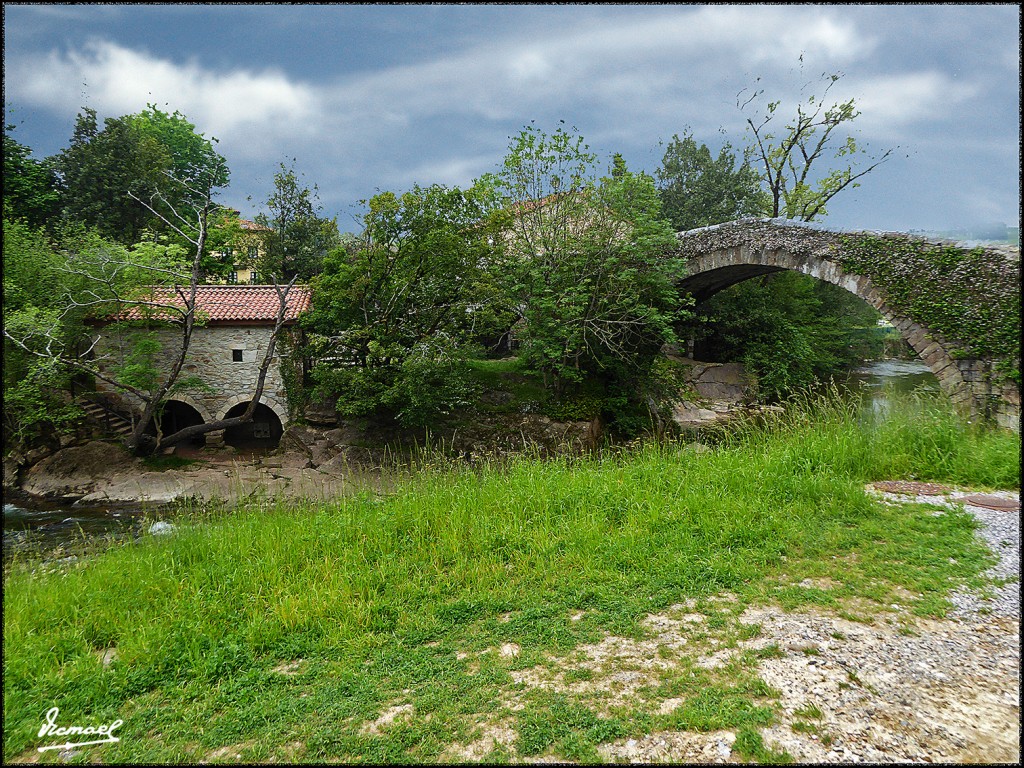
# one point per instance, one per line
(236, 355)
(232, 277)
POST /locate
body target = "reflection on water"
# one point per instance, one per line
(876, 381)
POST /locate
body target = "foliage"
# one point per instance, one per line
(697, 190)
(587, 257)
(151, 156)
(33, 281)
(29, 185)
(370, 599)
(970, 298)
(396, 315)
(789, 158)
(788, 329)
(300, 238)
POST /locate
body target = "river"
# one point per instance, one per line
(41, 527)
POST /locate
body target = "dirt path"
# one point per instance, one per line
(897, 689)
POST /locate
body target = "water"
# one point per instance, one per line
(36, 527)
(874, 381)
(42, 528)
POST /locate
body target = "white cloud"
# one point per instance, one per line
(888, 103)
(627, 80)
(117, 80)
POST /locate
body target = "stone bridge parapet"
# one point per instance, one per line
(722, 255)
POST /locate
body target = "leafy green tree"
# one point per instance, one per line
(395, 314)
(151, 156)
(33, 281)
(786, 328)
(301, 238)
(790, 156)
(30, 186)
(698, 190)
(587, 257)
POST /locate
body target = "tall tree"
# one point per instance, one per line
(301, 238)
(396, 313)
(30, 186)
(698, 190)
(587, 254)
(151, 156)
(791, 156)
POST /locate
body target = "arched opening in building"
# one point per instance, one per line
(264, 431)
(176, 415)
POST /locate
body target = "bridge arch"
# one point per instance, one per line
(720, 256)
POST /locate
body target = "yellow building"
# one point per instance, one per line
(246, 252)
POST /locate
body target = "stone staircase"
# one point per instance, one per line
(105, 416)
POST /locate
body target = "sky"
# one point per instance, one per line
(368, 98)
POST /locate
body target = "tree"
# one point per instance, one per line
(30, 186)
(33, 281)
(153, 285)
(397, 312)
(697, 190)
(787, 328)
(150, 155)
(300, 238)
(588, 259)
(790, 159)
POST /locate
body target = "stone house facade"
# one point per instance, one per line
(223, 361)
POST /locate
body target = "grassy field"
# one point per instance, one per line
(392, 628)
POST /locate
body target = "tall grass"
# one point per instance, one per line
(362, 584)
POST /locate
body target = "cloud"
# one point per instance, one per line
(117, 80)
(626, 79)
(891, 102)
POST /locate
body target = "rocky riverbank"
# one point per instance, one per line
(326, 458)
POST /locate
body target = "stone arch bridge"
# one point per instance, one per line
(725, 254)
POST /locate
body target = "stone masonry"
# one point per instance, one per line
(723, 255)
(212, 359)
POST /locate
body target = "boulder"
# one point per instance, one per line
(77, 470)
(299, 438)
(727, 382)
(11, 471)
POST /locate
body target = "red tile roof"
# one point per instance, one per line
(234, 303)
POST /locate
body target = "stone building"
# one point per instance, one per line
(223, 360)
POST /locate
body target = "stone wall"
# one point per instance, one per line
(723, 255)
(211, 358)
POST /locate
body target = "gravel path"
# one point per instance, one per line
(901, 689)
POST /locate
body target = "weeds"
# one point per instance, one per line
(406, 598)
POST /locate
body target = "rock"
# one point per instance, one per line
(321, 413)
(344, 435)
(338, 464)
(161, 528)
(11, 471)
(77, 470)
(299, 438)
(292, 461)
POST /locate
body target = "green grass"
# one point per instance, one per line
(380, 601)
